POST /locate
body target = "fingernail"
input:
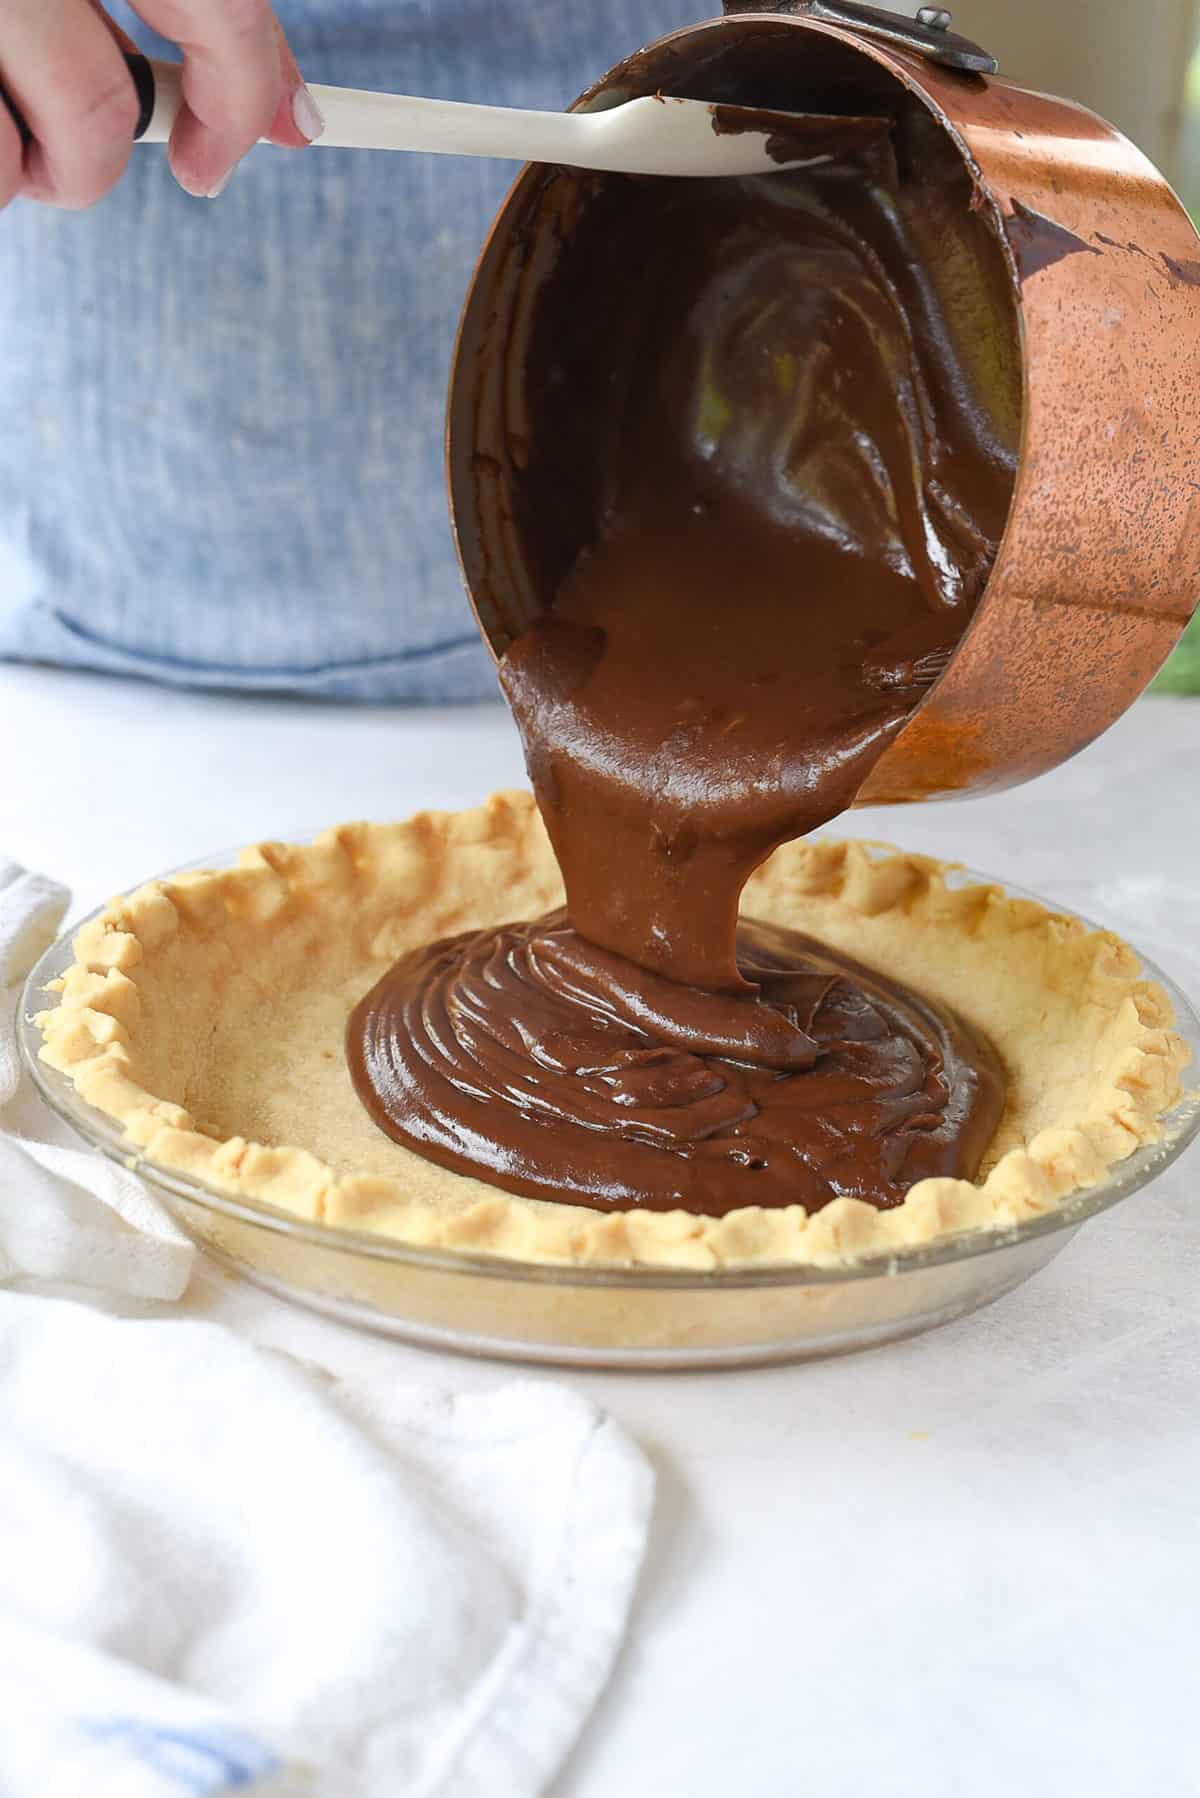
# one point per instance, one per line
(214, 193)
(306, 114)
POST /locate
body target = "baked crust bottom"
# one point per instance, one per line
(205, 1014)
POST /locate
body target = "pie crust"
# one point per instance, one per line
(205, 1014)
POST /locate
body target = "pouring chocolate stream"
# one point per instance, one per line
(803, 490)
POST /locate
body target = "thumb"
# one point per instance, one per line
(297, 119)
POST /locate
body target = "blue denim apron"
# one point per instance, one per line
(221, 453)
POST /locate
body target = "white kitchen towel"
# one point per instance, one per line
(221, 1570)
(66, 1214)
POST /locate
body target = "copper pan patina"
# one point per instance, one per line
(1098, 269)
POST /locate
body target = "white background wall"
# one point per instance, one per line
(1126, 59)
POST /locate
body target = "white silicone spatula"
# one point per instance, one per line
(654, 136)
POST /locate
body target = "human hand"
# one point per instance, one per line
(61, 62)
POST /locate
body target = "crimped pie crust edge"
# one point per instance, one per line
(1092, 1058)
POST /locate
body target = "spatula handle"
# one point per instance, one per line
(359, 120)
(148, 79)
(356, 119)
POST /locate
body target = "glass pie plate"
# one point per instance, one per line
(619, 1316)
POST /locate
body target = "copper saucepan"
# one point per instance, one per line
(1098, 266)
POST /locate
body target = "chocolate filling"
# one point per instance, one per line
(560, 1070)
(792, 460)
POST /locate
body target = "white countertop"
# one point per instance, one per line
(966, 1563)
